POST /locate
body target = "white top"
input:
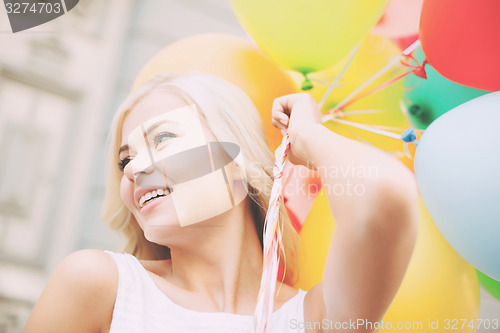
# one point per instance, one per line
(141, 306)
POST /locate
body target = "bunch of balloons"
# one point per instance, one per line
(456, 161)
(456, 156)
(339, 51)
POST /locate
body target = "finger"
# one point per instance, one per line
(278, 125)
(283, 104)
(281, 117)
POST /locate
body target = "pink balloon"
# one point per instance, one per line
(300, 190)
(404, 42)
(400, 19)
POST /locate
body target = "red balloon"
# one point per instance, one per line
(461, 40)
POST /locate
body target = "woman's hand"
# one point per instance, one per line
(298, 114)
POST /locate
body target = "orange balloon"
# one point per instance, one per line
(233, 59)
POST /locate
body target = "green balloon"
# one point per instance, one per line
(427, 99)
(491, 285)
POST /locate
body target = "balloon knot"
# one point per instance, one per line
(409, 135)
(420, 70)
(307, 84)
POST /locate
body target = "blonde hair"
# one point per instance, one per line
(232, 117)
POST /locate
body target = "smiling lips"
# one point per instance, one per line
(153, 194)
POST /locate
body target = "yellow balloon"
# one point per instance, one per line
(381, 108)
(438, 284)
(308, 36)
(315, 238)
(233, 59)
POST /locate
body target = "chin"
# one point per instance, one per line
(160, 233)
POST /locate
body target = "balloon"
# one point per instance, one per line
(308, 36)
(438, 284)
(300, 188)
(460, 39)
(230, 58)
(404, 42)
(400, 19)
(456, 165)
(427, 99)
(375, 53)
(315, 238)
(491, 285)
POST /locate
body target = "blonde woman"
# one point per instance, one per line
(193, 257)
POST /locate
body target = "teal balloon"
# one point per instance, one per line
(457, 165)
(427, 99)
(492, 286)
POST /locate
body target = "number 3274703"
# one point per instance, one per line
(35, 8)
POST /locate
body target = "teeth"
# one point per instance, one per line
(153, 194)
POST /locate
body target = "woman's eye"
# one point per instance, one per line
(159, 138)
(123, 163)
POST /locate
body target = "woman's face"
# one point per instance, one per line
(173, 171)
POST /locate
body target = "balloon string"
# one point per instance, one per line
(272, 241)
(417, 69)
(351, 112)
(335, 83)
(367, 128)
(382, 86)
(393, 62)
(408, 136)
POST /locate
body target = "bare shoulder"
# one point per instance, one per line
(88, 263)
(79, 296)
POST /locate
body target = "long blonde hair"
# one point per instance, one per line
(232, 117)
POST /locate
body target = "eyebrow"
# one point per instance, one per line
(158, 124)
(148, 131)
(123, 148)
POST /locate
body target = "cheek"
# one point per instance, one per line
(127, 193)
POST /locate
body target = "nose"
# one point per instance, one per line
(139, 165)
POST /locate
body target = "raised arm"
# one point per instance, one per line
(79, 297)
(373, 198)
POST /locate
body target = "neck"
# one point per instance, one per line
(225, 262)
